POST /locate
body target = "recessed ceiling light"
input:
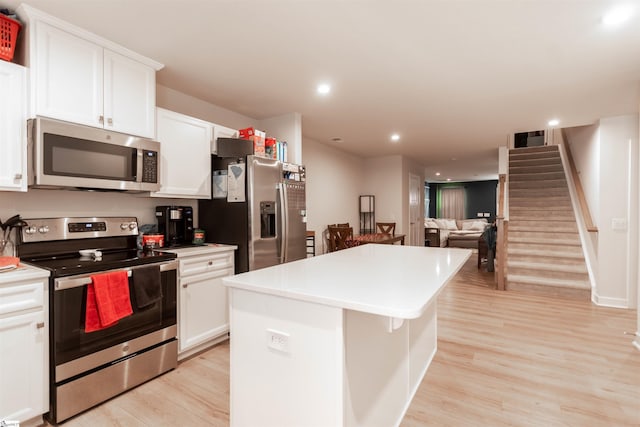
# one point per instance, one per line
(395, 137)
(554, 122)
(448, 179)
(324, 88)
(617, 16)
(437, 173)
(454, 159)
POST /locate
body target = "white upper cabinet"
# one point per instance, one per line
(129, 95)
(13, 123)
(185, 143)
(82, 78)
(221, 132)
(67, 73)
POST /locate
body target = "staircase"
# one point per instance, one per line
(544, 252)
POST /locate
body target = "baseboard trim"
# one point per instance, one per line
(609, 302)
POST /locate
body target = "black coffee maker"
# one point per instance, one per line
(176, 224)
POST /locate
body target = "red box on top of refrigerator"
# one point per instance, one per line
(258, 138)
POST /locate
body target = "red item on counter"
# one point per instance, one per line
(153, 240)
(6, 261)
(108, 300)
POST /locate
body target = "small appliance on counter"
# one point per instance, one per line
(176, 224)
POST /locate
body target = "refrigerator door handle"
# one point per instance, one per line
(281, 212)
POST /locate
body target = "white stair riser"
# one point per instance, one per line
(543, 259)
(582, 294)
(548, 274)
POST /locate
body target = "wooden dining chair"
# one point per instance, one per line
(339, 237)
(386, 227)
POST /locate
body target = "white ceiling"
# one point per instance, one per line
(454, 78)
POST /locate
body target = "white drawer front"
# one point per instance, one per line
(205, 263)
(225, 272)
(21, 297)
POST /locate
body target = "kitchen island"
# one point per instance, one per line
(342, 339)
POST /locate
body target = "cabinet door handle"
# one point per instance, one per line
(101, 119)
(40, 325)
(17, 176)
(110, 121)
(185, 285)
(210, 263)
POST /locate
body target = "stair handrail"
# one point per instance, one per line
(582, 200)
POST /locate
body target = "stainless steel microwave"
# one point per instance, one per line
(68, 155)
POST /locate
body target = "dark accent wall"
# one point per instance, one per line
(480, 197)
(433, 199)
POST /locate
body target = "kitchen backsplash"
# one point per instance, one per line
(61, 203)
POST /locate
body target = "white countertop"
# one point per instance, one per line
(23, 272)
(205, 249)
(390, 280)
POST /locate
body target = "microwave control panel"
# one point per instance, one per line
(149, 166)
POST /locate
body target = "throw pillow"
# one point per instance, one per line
(468, 225)
(451, 224)
(479, 225)
(442, 223)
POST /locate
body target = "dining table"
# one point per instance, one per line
(383, 238)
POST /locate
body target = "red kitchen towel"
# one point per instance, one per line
(108, 300)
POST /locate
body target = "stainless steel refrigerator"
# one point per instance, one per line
(263, 211)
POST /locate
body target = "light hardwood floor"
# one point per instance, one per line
(504, 359)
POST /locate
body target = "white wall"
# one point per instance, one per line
(637, 190)
(287, 127)
(617, 212)
(334, 183)
(584, 142)
(194, 107)
(384, 179)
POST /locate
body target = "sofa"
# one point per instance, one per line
(460, 233)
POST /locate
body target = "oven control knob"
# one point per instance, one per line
(132, 226)
(124, 226)
(31, 230)
(43, 229)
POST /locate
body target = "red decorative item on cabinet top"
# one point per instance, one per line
(9, 29)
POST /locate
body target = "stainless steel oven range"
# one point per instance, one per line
(87, 368)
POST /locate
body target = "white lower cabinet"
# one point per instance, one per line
(24, 362)
(203, 317)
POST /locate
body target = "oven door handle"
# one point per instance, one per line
(77, 281)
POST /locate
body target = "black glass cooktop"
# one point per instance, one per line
(72, 263)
